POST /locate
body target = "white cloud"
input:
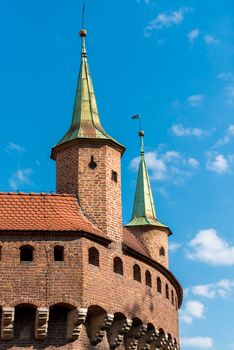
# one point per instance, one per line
(195, 100)
(166, 166)
(173, 247)
(226, 76)
(193, 35)
(20, 177)
(197, 342)
(230, 95)
(192, 309)
(11, 146)
(181, 130)
(221, 289)
(148, 2)
(210, 39)
(218, 163)
(193, 162)
(175, 103)
(227, 137)
(167, 19)
(208, 247)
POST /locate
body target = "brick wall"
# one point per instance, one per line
(99, 195)
(75, 283)
(154, 239)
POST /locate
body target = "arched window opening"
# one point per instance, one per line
(118, 265)
(94, 256)
(137, 273)
(148, 280)
(26, 253)
(167, 291)
(58, 253)
(159, 285)
(172, 298)
(162, 251)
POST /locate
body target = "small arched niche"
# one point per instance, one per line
(118, 265)
(137, 273)
(93, 256)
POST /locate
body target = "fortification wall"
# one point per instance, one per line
(81, 302)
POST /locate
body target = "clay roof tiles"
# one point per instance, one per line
(43, 212)
(51, 212)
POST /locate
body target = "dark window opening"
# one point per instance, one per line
(148, 280)
(26, 253)
(167, 291)
(92, 163)
(172, 298)
(162, 251)
(137, 273)
(58, 253)
(118, 265)
(94, 256)
(159, 285)
(114, 176)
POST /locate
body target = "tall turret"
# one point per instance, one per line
(144, 222)
(88, 159)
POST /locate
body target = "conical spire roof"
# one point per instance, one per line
(144, 210)
(85, 120)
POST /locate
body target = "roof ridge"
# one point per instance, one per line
(38, 194)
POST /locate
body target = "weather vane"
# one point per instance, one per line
(83, 14)
(138, 117)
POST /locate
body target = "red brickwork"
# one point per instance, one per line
(85, 169)
(75, 283)
(155, 240)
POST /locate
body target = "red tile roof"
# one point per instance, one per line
(43, 212)
(51, 212)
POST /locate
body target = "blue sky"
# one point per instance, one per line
(172, 62)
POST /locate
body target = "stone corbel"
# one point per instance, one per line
(133, 337)
(97, 327)
(41, 326)
(7, 327)
(149, 339)
(75, 321)
(115, 333)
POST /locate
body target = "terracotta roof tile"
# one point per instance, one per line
(43, 212)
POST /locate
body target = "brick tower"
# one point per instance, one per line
(72, 276)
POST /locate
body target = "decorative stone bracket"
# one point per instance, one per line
(149, 340)
(133, 337)
(75, 321)
(116, 333)
(7, 328)
(97, 327)
(41, 326)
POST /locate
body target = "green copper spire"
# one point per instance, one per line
(85, 120)
(144, 210)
